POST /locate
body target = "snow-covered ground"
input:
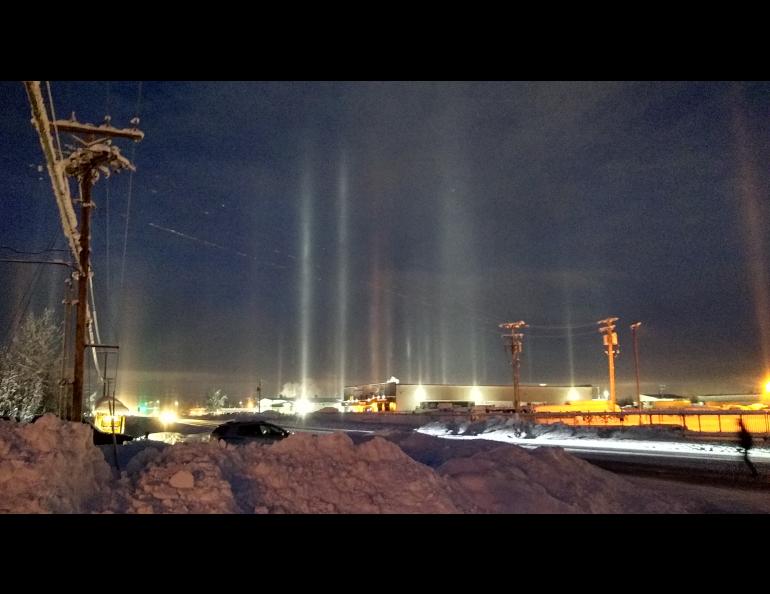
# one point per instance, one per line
(644, 439)
(52, 466)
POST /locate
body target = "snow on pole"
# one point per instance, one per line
(61, 188)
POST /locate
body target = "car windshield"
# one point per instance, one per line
(272, 430)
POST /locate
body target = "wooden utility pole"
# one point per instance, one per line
(634, 328)
(64, 383)
(82, 300)
(610, 341)
(515, 342)
(95, 156)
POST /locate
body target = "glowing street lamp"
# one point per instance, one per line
(167, 417)
(303, 406)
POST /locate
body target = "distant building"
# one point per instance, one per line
(731, 398)
(721, 398)
(297, 405)
(660, 397)
(393, 396)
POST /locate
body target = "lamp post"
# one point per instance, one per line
(634, 328)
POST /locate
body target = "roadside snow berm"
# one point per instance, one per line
(49, 466)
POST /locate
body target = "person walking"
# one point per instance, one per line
(746, 443)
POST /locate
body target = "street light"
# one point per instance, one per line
(634, 328)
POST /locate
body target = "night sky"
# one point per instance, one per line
(345, 233)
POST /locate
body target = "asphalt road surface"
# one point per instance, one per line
(692, 467)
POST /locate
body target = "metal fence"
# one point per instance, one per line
(717, 421)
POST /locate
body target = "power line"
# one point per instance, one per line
(215, 245)
(107, 225)
(94, 326)
(135, 120)
(20, 311)
(28, 253)
(54, 262)
(53, 118)
(107, 242)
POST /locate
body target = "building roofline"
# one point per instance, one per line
(475, 385)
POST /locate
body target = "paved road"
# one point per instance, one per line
(693, 467)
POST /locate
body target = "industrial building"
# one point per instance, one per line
(395, 396)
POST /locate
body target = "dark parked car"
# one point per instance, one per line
(249, 431)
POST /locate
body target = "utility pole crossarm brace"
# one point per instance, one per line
(73, 127)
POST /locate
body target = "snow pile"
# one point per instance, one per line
(514, 426)
(309, 473)
(509, 479)
(304, 473)
(657, 439)
(53, 466)
(179, 479)
(435, 451)
(49, 466)
(496, 478)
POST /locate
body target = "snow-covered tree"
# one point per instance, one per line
(29, 368)
(215, 400)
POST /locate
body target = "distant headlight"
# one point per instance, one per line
(168, 416)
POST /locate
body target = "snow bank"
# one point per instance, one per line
(176, 479)
(523, 429)
(49, 466)
(53, 466)
(304, 473)
(510, 479)
(492, 478)
(310, 473)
